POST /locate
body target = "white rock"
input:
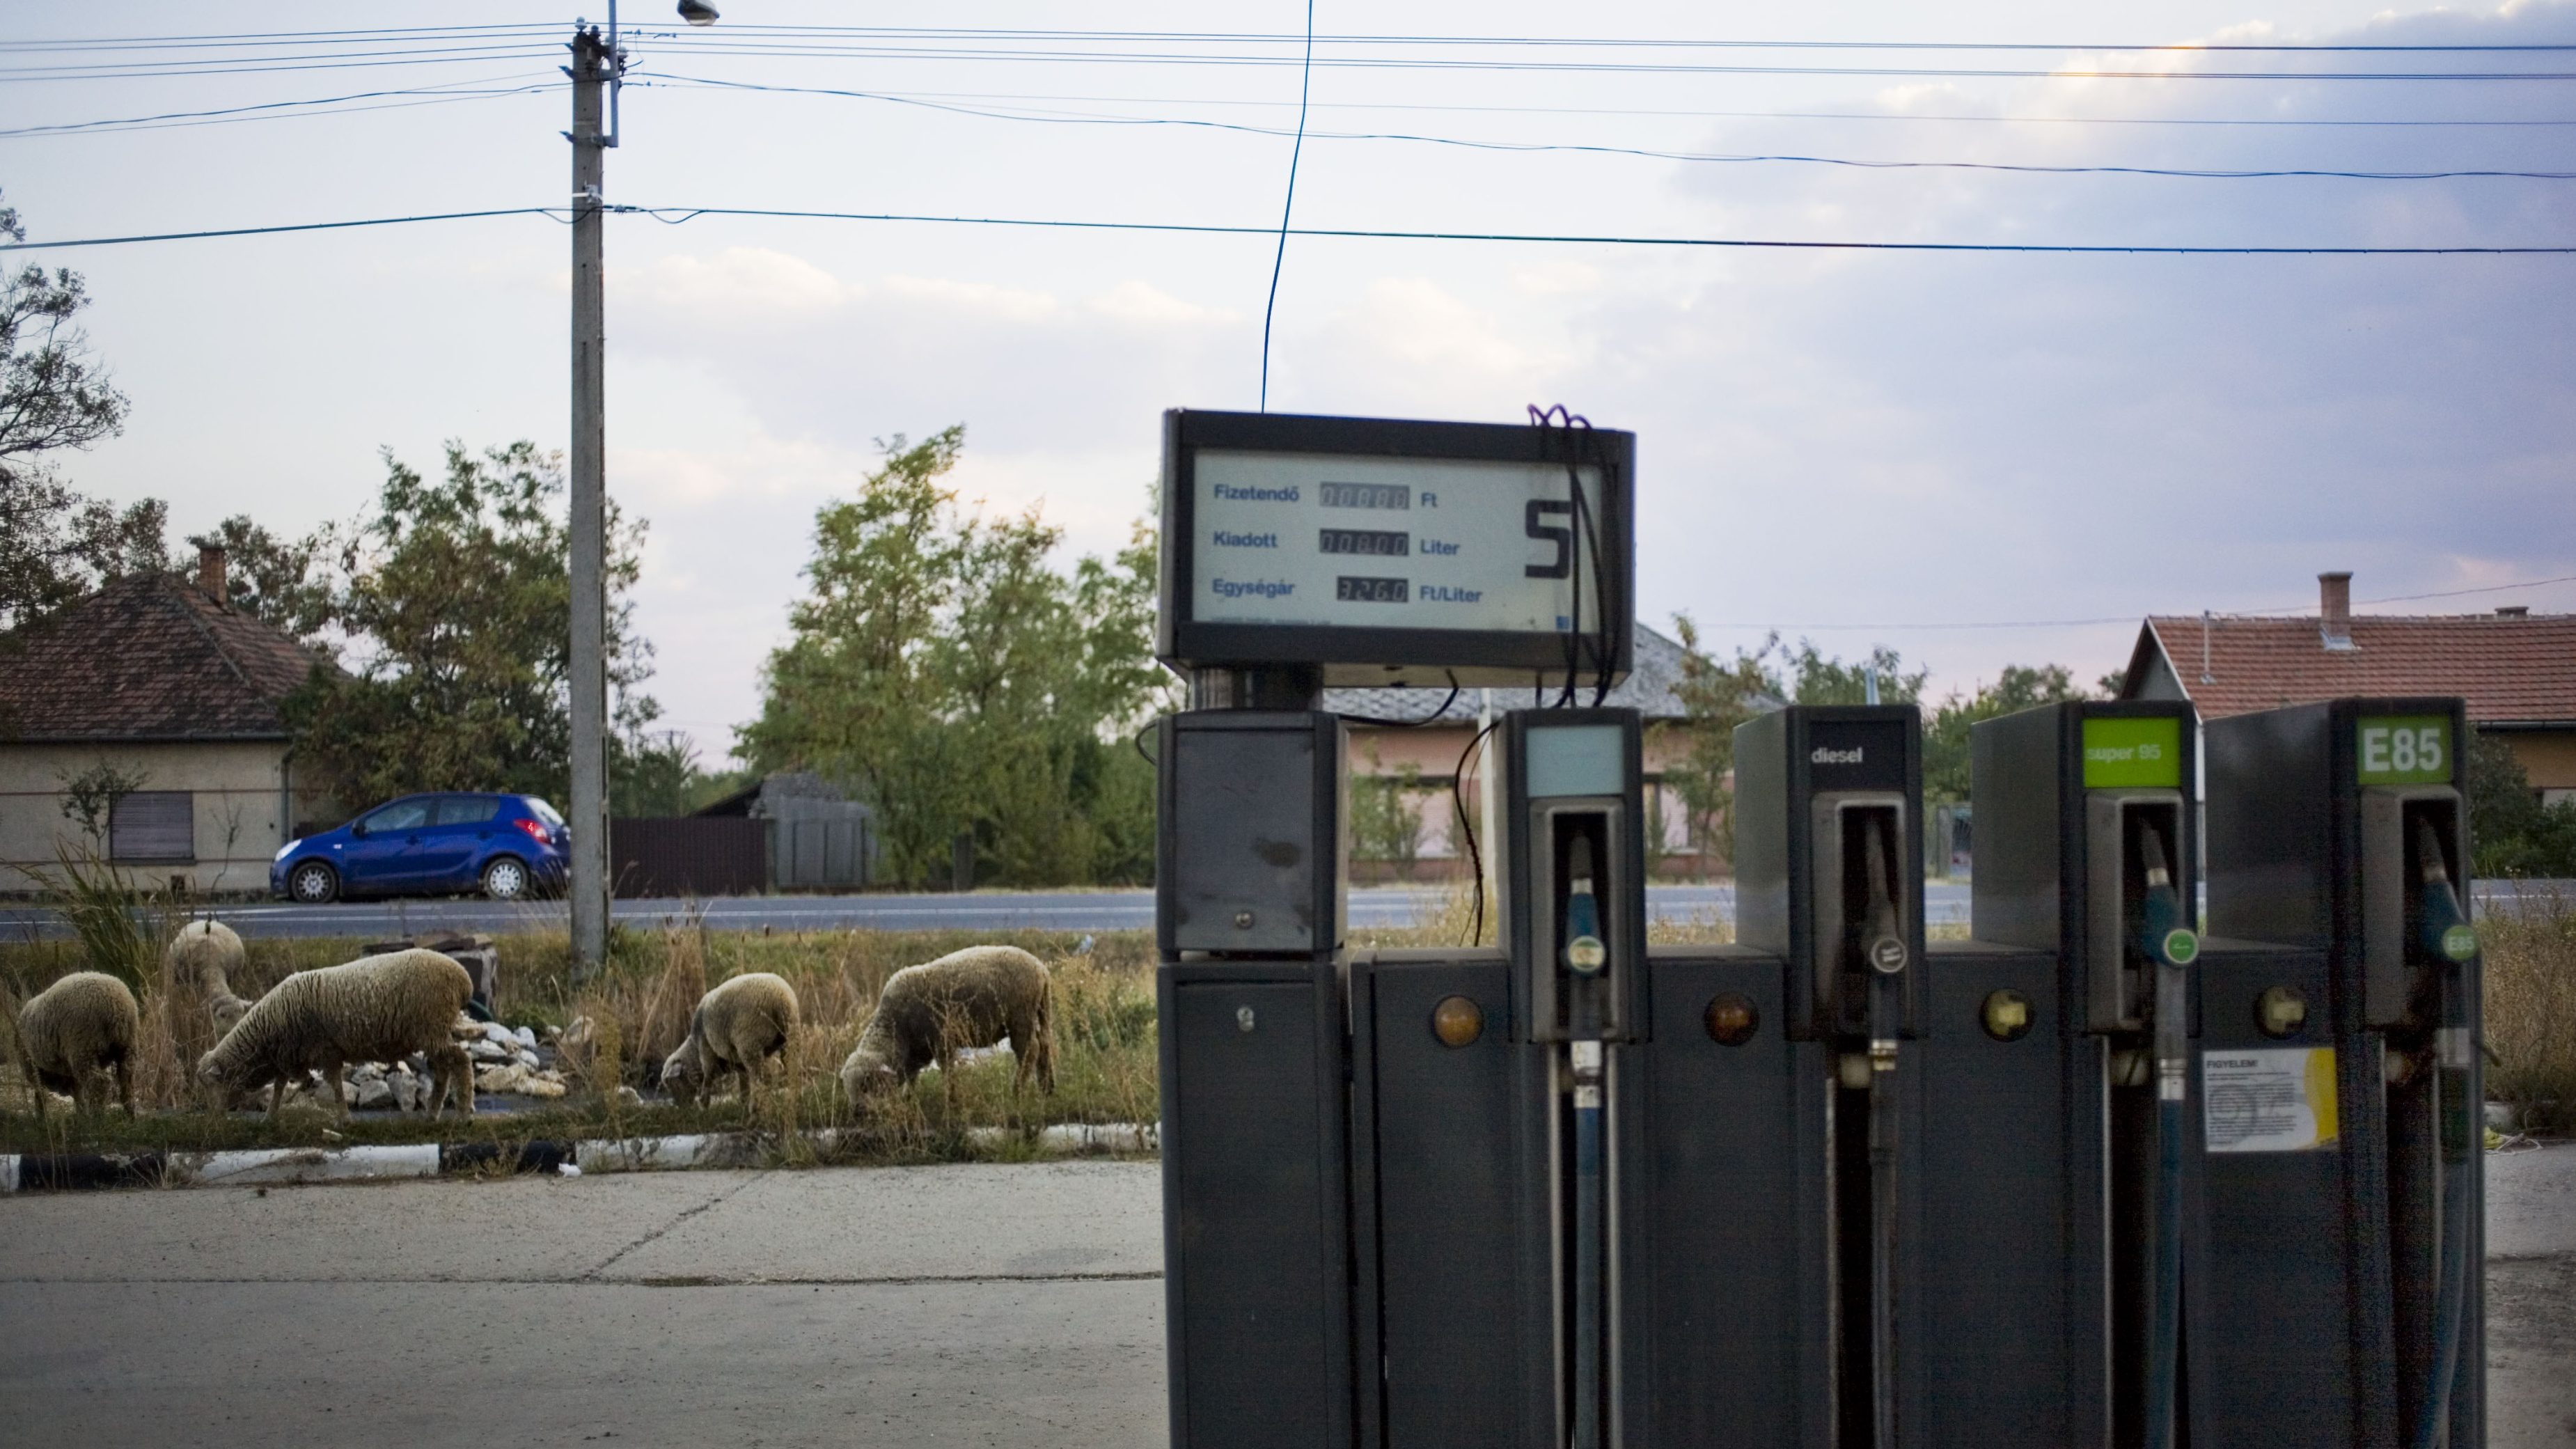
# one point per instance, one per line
(527, 1038)
(529, 1060)
(500, 1035)
(512, 1078)
(540, 1087)
(373, 1092)
(490, 1051)
(630, 1097)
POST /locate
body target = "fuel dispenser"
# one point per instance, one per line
(1828, 841)
(1494, 1093)
(2087, 1179)
(2087, 853)
(2339, 830)
(1249, 917)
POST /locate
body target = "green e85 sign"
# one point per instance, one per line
(2403, 749)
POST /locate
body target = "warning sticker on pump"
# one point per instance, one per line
(2279, 1099)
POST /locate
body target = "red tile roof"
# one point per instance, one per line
(2507, 669)
(148, 657)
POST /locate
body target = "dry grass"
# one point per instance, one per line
(2530, 961)
(638, 1010)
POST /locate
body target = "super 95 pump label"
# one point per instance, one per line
(1392, 543)
(2271, 1099)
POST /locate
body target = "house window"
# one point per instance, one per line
(153, 825)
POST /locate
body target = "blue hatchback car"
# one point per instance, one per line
(506, 846)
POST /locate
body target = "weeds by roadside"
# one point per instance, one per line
(2530, 960)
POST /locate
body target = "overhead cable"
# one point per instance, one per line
(678, 215)
(1467, 143)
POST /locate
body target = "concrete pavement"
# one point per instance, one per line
(946, 1305)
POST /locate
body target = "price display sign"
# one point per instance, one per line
(1395, 552)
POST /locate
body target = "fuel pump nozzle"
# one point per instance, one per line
(1585, 955)
(2442, 926)
(1881, 938)
(2448, 944)
(2169, 946)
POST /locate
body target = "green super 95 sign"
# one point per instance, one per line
(2403, 749)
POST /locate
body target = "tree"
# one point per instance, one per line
(656, 774)
(1715, 698)
(940, 664)
(1946, 737)
(54, 397)
(1818, 678)
(2510, 832)
(453, 602)
(278, 581)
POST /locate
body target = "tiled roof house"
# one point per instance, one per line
(2515, 670)
(156, 679)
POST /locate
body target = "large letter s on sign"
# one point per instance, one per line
(1563, 538)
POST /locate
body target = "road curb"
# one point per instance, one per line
(279, 1166)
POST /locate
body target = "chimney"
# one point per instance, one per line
(2514, 611)
(2334, 609)
(210, 570)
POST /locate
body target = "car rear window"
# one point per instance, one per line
(467, 809)
(542, 810)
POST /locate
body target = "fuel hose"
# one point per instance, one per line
(2446, 940)
(1885, 950)
(2169, 946)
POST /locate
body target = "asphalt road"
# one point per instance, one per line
(1945, 902)
(996, 910)
(1017, 1305)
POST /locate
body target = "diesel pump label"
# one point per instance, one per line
(2274, 1099)
(1393, 543)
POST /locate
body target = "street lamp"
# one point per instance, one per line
(697, 12)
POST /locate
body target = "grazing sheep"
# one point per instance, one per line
(969, 998)
(82, 1024)
(204, 955)
(374, 1009)
(736, 1027)
(196, 972)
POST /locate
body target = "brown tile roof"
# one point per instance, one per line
(148, 657)
(2507, 669)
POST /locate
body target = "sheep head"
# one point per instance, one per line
(868, 1074)
(682, 1076)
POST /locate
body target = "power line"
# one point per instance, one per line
(678, 215)
(1287, 206)
(406, 33)
(1703, 157)
(699, 46)
(279, 110)
(113, 241)
(2398, 122)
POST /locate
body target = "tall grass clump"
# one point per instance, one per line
(2530, 966)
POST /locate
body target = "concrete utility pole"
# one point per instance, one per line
(593, 62)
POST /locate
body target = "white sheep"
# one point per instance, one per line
(969, 998)
(736, 1027)
(197, 969)
(374, 1009)
(81, 1025)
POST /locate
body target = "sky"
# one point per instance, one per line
(1976, 459)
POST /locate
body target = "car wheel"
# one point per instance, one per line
(313, 884)
(505, 879)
